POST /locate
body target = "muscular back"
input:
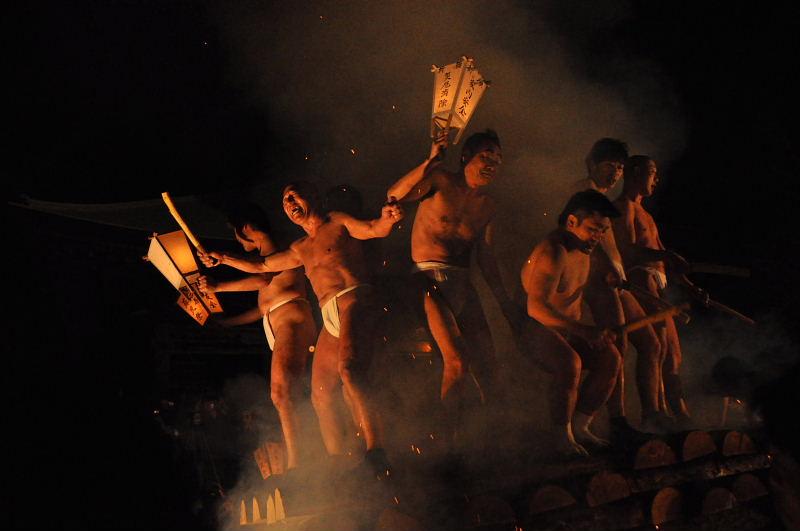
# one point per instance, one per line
(332, 258)
(450, 218)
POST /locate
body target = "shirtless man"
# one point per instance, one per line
(610, 307)
(648, 262)
(554, 278)
(455, 216)
(286, 314)
(334, 264)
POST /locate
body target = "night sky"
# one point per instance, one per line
(120, 100)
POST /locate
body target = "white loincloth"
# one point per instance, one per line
(660, 276)
(268, 327)
(330, 310)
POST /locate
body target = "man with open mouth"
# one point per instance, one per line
(333, 258)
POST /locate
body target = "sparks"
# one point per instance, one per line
(353, 151)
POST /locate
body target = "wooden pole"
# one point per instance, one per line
(175, 214)
(652, 318)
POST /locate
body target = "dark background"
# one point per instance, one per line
(117, 101)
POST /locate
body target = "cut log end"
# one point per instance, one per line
(549, 498)
(606, 487)
(654, 453)
(667, 506)
(697, 444)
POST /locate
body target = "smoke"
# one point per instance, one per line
(344, 77)
(349, 83)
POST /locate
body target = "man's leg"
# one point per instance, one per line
(326, 395)
(603, 364)
(673, 388)
(294, 334)
(358, 316)
(479, 355)
(558, 358)
(607, 312)
(648, 358)
(452, 345)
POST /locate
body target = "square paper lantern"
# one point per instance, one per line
(457, 89)
(172, 255)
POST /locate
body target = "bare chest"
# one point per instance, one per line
(645, 227)
(453, 213)
(575, 273)
(330, 245)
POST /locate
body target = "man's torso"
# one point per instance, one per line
(283, 286)
(332, 258)
(449, 221)
(571, 282)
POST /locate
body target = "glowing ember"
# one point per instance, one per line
(353, 151)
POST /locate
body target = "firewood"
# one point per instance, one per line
(606, 487)
(667, 506)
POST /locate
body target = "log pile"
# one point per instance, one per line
(692, 480)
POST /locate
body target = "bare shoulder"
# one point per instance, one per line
(299, 244)
(551, 249)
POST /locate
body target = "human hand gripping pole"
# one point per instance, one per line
(189, 234)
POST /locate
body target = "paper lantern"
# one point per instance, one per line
(457, 89)
(172, 255)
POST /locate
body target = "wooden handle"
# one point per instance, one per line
(175, 214)
(653, 318)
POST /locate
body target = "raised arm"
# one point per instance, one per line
(491, 273)
(371, 228)
(280, 261)
(416, 183)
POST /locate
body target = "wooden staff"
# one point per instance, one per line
(706, 300)
(657, 301)
(717, 269)
(175, 214)
(652, 318)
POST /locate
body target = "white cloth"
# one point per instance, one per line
(330, 310)
(439, 269)
(660, 276)
(268, 327)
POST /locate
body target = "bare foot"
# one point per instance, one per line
(564, 443)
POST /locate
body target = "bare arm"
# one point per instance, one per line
(543, 278)
(635, 252)
(491, 273)
(416, 183)
(372, 228)
(281, 261)
(248, 283)
(250, 316)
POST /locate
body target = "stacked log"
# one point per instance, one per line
(692, 480)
